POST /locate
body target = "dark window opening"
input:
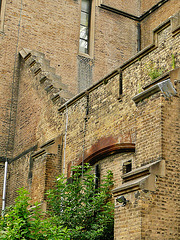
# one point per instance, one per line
(97, 176)
(127, 167)
(69, 180)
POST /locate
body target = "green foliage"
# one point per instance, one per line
(173, 62)
(77, 211)
(85, 211)
(153, 71)
(139, 88)
(19, 222)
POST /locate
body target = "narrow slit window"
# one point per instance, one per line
(97, 176)
(85, 26)
(127, 167)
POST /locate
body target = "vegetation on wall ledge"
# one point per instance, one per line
(153, 72)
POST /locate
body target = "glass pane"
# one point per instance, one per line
(84, 32)
(83, 46)
(84, 19)
(85, 5)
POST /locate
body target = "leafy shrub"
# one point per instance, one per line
(85, 211)
(19, 222)
(77, 211)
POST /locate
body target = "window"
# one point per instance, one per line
(127, 167)
(85, 26)
(87, 19)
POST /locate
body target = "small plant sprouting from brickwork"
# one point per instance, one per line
(173, 61)
(139, 88)
(153, 72)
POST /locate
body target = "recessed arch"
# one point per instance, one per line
(104, 147)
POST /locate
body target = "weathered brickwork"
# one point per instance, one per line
(17, 172)
(50, 130)
(41, 115)
(115, 41)
(25, 26)
(133, 7)
(37, 174)
(155, 19)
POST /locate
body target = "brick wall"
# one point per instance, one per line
(115, 42)
(48, 33)
(101, 119)
(37, 118)
(132, 7)
(155, 19)
(143, 124)
(18, 172)
(36, 173)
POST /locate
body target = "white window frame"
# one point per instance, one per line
(91, 31)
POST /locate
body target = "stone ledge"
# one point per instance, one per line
(147, 169)
(88, 90)
(131, 186)
(51, 146)
(38, 154)
(157, 80)
(147, 93)
(142, 178)
(165, 87)
(175, 23)
(48, 143)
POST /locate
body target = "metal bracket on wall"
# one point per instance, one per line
(167, 88)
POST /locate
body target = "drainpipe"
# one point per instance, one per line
(120, 86)
(66, 125)
(120, 83)
(11, 109)
(4, 187)
(138, 36)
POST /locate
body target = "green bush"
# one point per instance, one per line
(19, 222)
(85, 211)
(77, 211)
